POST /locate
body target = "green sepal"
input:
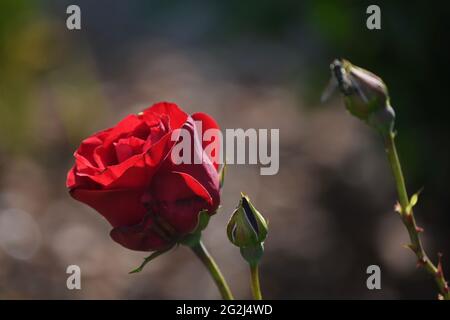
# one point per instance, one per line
(150, 258)
(193, 238)
(203, 220)
(253, 254)
(222, 173)
(383, 120)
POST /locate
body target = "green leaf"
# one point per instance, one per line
(413, 201)
(149, 258)
(415, 198)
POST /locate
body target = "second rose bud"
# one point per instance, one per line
(247, 229)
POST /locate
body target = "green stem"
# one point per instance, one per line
(203, 254)
(409, 221)
(256, 289)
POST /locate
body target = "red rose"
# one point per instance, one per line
(126, 173)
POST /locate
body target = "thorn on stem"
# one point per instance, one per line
(439, 272)
(398, 208)
(412, 247)
(420, 263)
(419, 229)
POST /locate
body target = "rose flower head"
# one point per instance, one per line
(128, 175)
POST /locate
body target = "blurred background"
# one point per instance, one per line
(250, 64)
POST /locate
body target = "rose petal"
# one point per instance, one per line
(139, 237)
(120, 207)
(204, 172)
(117, 176)
(178, 198)
(70, 181)
(169, 110)
(208, 123)
(126, 148)
(123, 129)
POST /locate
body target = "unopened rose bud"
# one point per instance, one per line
(247, 229)
(365, 95)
